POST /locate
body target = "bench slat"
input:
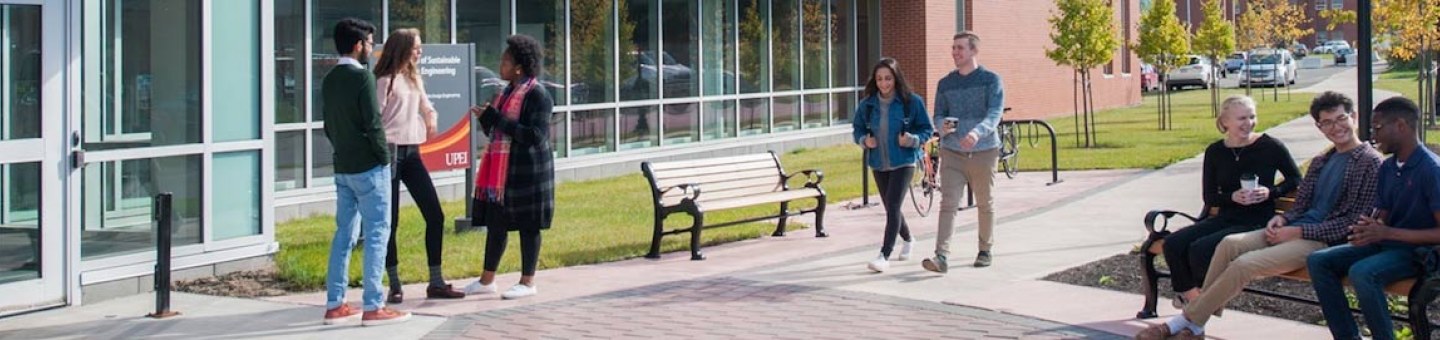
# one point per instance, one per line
(715, 169)
(759, 199)
(772, 184)
(716, 178)
(708, 196)
(660, 166)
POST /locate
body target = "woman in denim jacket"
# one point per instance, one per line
(891, 124)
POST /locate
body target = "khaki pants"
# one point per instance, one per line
(957, 169)
(1240, 258)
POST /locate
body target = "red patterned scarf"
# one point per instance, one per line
(495, 164)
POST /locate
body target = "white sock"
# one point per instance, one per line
(1176, 323)
(1197, 329)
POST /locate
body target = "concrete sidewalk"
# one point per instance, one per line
(797, 286)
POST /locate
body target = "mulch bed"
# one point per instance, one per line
(246, 284)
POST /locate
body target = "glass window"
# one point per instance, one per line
(592, 38)
(432, 17)
(867, 38)
(322, 158)
(479, 23)
(237, 112)
(20, 88)
(1125, 30)
(816, 25)
(593, 131)
(718, 26)
(817, 110)
(754, 116)
(289, 70)
(785, 39)
(681, 35)
(19, 215)
(719, 119)
(558, 134)
(682, 123)
(236, 184)
(289, 160)
(787, 113)
(1337, 4)
(842, 43)
(545, 21)
(639, 40)
(639, 127)
(118, 204)
(754, 46)
(142, 61)
(844, 106)
(322, 51)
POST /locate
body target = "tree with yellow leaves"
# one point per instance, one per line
(1214, 40)
(1084, 35)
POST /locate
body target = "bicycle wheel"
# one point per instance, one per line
(922, 187)
(1010, 151)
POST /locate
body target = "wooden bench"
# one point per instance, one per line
(1419, 291)
(695, 187)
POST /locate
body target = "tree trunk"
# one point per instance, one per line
(1094, 125)
(1075, 95)
(1085, 103)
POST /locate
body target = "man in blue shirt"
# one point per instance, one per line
(968, 104)
(1382, 246)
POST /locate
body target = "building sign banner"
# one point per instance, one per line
(449, 81)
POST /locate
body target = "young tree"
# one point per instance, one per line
(1163, 43)
(1084, 35)
(1215, 39)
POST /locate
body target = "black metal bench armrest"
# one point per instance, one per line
(691, 190)
(1167, 215)
(813, 177)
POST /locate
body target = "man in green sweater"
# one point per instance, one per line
(362, 177)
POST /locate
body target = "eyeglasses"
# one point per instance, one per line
(1328, 123)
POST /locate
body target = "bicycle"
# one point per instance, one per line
(1009, 149)
(926, 185)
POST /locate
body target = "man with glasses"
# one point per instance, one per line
(1337, 189)
(1383, 242)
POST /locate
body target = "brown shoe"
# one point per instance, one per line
(341, 315)
(1186, 334)
(446, 292)
(1159, 331)
(384, 316)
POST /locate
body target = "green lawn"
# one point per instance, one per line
(1406, 83)
(610, 219)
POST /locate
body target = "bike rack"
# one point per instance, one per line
(1033, 135)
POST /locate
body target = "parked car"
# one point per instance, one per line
(1149, 79)
(1342, 55)
(1269, 67)
(1235, 61)
(1331, 46)
(1195, 72)
(1299, 50)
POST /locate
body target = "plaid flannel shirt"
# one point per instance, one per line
(1358, 189)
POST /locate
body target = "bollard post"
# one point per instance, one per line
(164, 222)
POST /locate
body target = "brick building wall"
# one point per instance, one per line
(1014, 35)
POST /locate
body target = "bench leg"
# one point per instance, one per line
(820, 218)
(1151, 285)
(695, 254)
(1420, 297)
(784, 214)
(654, 253)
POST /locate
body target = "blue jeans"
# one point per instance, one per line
(1369, 268)
(366, 194)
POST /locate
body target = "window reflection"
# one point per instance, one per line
(142, 62)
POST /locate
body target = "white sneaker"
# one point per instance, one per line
(476, 288)
(879, 264)
(519, 291)
(905, 248)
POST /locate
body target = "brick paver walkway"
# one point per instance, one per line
(734, 308)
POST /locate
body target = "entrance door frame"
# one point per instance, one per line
(57, 283)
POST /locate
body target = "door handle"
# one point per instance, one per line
(77, 159)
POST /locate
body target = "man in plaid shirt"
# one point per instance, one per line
(1383, 244)
(1338, 188)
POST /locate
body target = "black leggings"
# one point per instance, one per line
(893, 185)
(409, 168)
(495, 242)
(1188, 251)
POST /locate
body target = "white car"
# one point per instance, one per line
(1197, 71)
(1268, 67)
(1331, 46)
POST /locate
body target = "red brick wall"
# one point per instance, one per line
(1014, 36)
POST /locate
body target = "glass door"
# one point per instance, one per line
(32, 156)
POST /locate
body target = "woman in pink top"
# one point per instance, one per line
(409, 120)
